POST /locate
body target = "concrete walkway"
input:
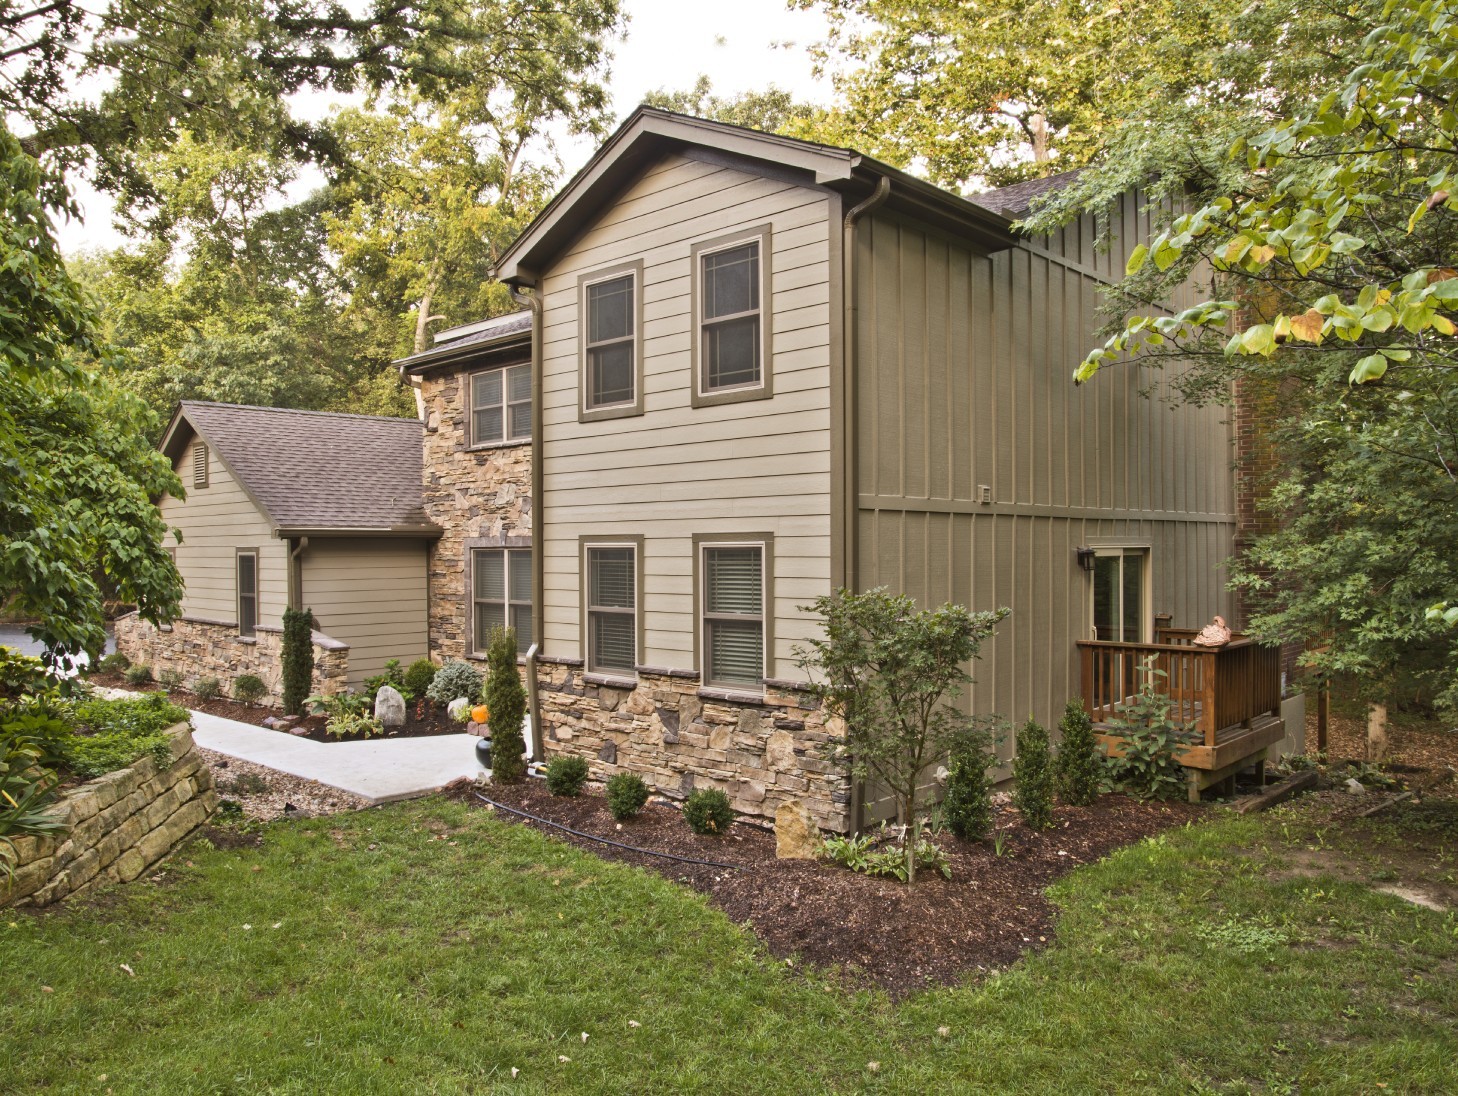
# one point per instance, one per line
(381, 771)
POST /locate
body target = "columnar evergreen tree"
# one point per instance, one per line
(298, 658)
(967, 804)
(1079, 760)
(1033, 776)
(506, 704)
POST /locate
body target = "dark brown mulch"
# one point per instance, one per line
(902, 938)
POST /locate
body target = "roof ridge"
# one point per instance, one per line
(297, 411)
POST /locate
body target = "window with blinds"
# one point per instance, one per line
(610, 326)
(733, 601)
(247, 593)
(501, 405)
(501, 595)
(730, 323)
(199, 465)
(612, 609)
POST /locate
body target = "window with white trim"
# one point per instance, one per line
(612, 608)
(247, 593)
(733, 615)
(501, 595)
(610, 343)
(501, 405)
(731, 354)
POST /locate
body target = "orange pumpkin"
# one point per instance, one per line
(479, 713)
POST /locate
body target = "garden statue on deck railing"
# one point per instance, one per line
(1214, 634)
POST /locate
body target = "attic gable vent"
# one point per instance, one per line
(199, 465)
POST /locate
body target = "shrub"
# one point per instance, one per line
(967, 807)
(169, 678)
(626, 795)
(354, 723)
(860, 854)
(22, 675)
(454, 679)
(1033, 777)
(249, 689)
(392, 676)
(506, 700)
(1147, 768)
(349, 713)
(297, 658)
(114, 733)
(114, 663)
(418, 677)
(1080, 763)
(207, 688)
(565, 775)
(138, 674)
(707, 811)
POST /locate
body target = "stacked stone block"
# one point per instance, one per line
(116, 826)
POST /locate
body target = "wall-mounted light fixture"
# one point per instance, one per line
(1085, 558)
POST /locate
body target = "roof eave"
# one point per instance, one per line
(433, 359)
(417, 532)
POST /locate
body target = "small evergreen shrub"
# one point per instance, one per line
(297, 658)
(506, 701)
(249, 689)
(626, 795)
(1080, 763)
(114, 663)
(1033, 777)
(138, 674)
(207, 688)
(565, 775)
(453, 680)
(418, 677)
(707, 811)
(169, 678)
(967, 806)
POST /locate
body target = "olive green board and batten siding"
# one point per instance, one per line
(963, 380)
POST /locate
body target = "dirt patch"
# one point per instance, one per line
(226, 838)
(264, 794)
(989, 913)
(1425, 747)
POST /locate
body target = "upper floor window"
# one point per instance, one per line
(199, 465)
(501, 595)
(731, 345)
(612, 342)
(501, 405)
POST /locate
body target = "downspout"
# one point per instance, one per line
(296, 571)
(850, 339)
(415, 386)
(534, 302)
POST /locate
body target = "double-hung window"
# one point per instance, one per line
(611, 343)
(731, 317)
(501, 405)
(612, 608)
(247, 577)
(734, 597)
(501, 595)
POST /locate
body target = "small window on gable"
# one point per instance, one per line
(501, 405)
(199, 465)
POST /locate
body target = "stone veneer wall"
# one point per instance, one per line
(479, 497)
(196, 648)
(117, 826)
(679, 737)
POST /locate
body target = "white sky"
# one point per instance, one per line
(742, 46)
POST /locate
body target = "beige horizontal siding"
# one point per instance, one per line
(371, 594)
(216, 521)
(676, 471)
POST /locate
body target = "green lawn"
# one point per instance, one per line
(381, 959)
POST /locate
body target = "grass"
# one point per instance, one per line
(426, 947)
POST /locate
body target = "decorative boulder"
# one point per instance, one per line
(796, 835)
(390, 706)
(459, 709)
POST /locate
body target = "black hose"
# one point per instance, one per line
(604, 840)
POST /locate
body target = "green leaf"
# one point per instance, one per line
(1137, 259)
(1371, 368)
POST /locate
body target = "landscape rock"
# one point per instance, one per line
(796, 836)
(457, 709)
(390, 706)
(1355, 786)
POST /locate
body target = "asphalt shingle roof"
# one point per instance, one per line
(320, 470)
(1014, 201)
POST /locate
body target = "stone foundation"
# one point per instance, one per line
(679, 737)
(117, 826)
(197, 648)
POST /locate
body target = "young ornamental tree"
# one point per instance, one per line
(297, 658)
(506, 701)
(891, 672)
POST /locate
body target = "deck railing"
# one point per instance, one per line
(1212, 688)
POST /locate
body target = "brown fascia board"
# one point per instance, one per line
(649, 133)
(417, 532)
(507, 346)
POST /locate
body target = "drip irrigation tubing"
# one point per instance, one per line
(604, 840)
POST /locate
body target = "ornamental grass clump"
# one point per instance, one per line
(506, 701)
(566, 776)
(627, 794)
(1033, 777)
(1080, 763)
(707, 811)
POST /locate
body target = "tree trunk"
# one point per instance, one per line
(1040, 139)
(422, 318)
(1376, 732)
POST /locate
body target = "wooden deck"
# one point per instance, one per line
(1229, 696)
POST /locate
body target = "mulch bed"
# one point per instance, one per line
(991, 912)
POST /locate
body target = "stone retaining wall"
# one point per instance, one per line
(679, 737)
(197, 648)
(117, 826)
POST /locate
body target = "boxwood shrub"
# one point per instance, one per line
(566, 775)
(707, 811)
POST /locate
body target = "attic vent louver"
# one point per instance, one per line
(199, 465)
